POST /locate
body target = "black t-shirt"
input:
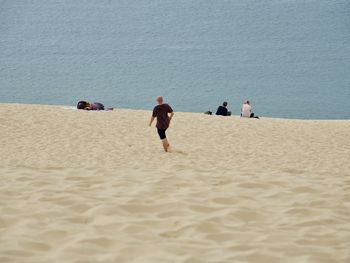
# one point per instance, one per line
(222, 111)
(161, 112)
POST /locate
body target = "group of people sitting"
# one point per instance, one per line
(246, 110)
(84, 105)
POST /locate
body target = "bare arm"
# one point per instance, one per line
(171, 116)
(150, 122)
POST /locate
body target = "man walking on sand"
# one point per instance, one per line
(161, 112)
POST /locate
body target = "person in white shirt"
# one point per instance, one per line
(246, 110)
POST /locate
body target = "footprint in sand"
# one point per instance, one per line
(178, 151)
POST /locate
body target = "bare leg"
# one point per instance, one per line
(165, 144)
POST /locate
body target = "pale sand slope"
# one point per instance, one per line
(79, 186)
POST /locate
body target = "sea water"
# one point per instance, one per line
(290, 58)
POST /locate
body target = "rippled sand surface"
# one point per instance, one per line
(80, 186)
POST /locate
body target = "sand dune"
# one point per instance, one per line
(79, 186)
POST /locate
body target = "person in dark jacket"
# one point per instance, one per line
(222, 110)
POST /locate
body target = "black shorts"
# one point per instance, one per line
(161, 133)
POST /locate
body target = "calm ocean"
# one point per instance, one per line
(291, 58)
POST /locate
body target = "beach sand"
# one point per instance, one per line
(79, 186)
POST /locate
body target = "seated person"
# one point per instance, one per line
(246, 110)
(222, 110)
(84, 105)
